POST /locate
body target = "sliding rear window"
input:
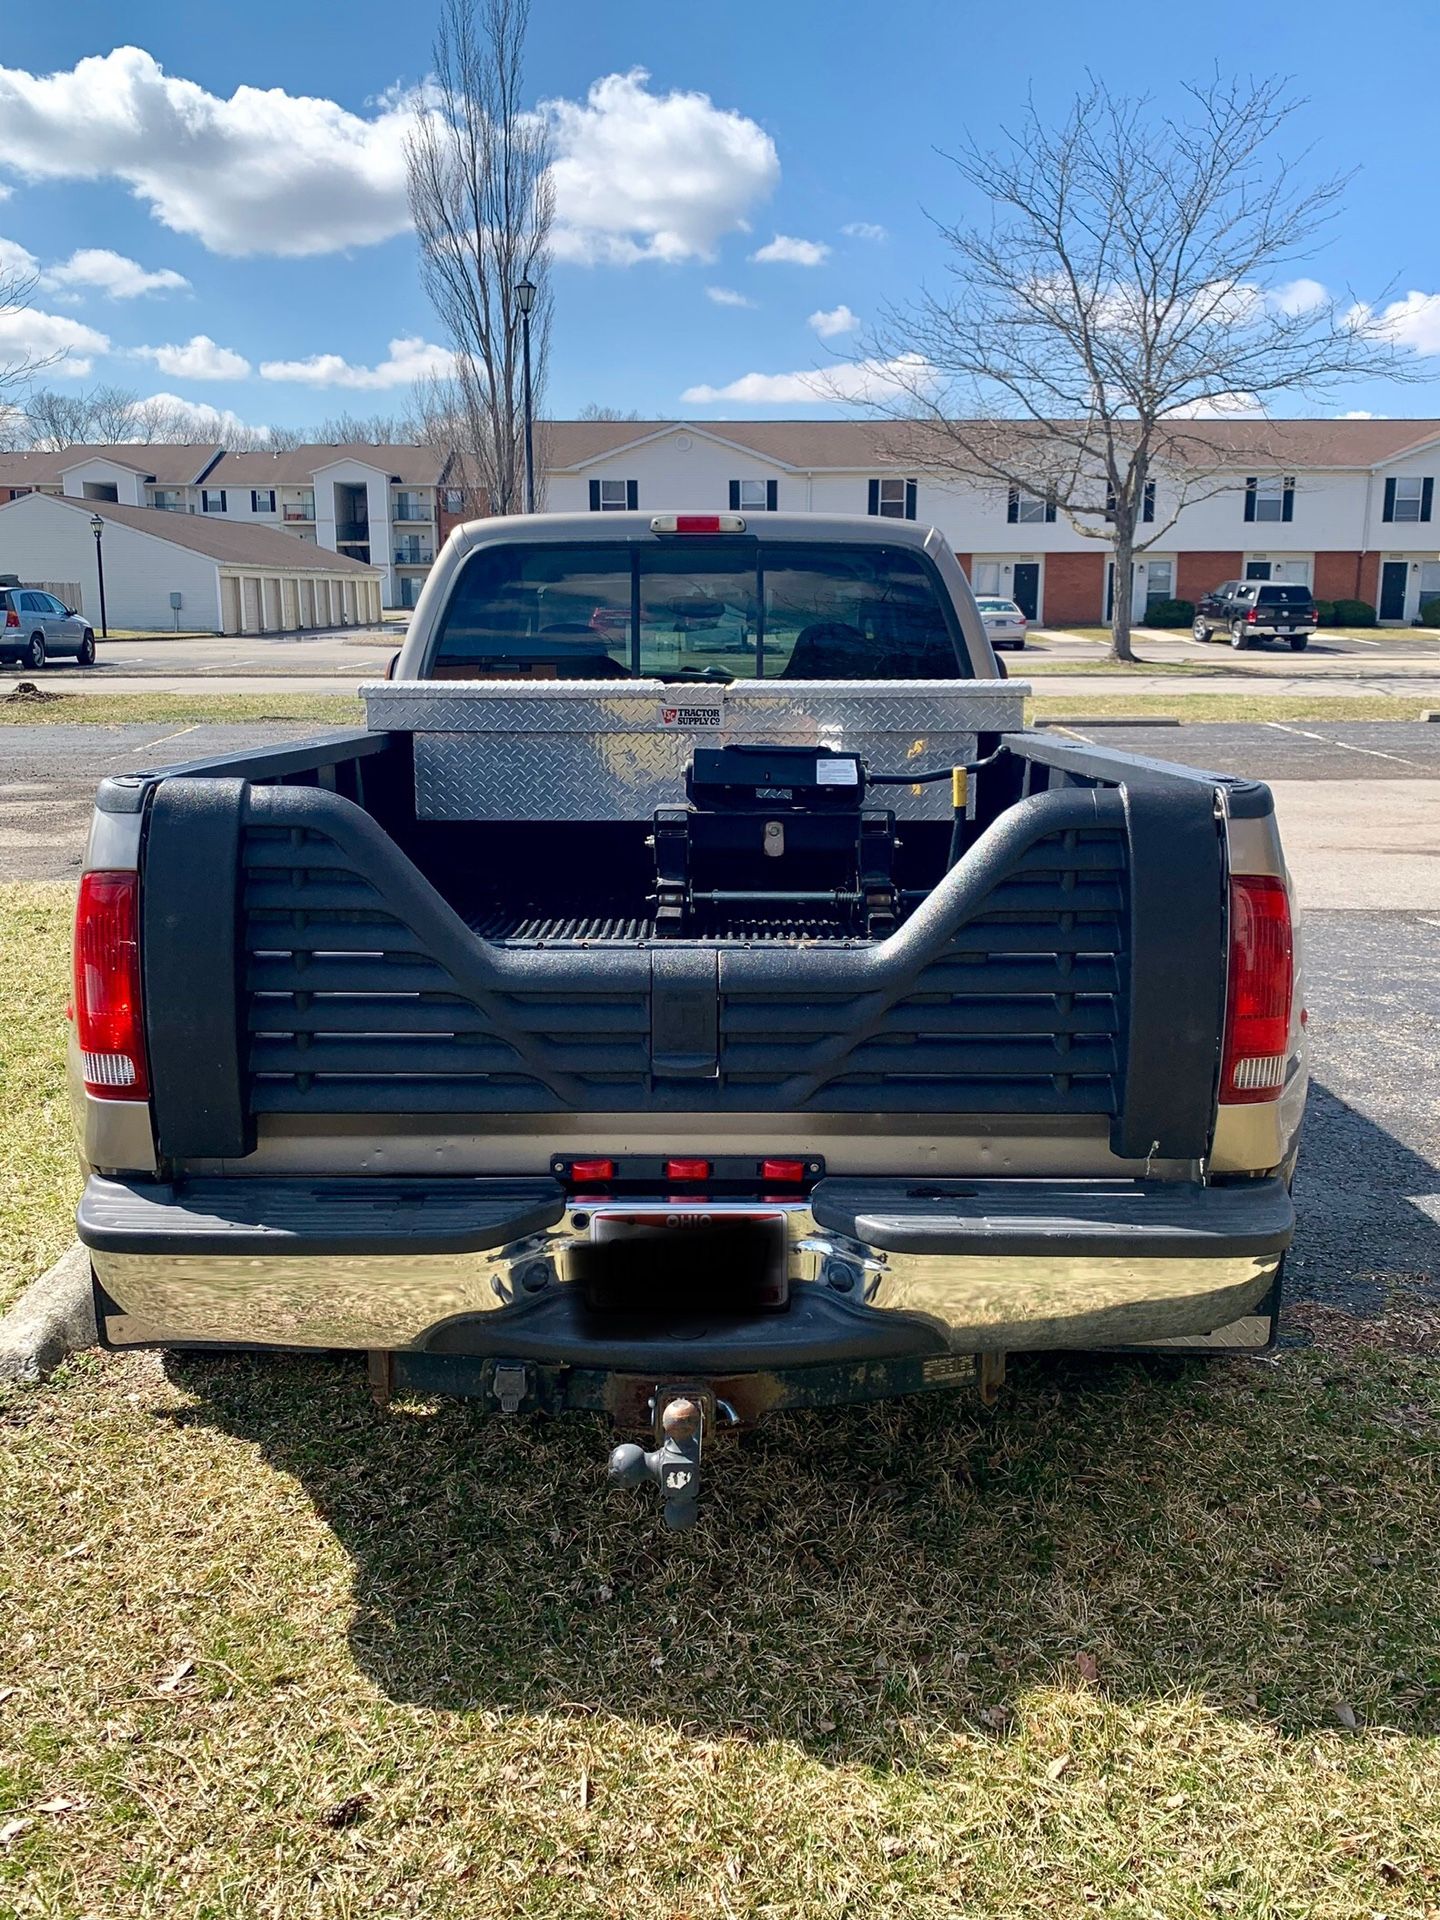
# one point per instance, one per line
(801, 610)
(1284, 596)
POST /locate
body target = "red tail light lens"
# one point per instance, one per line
(687, 1169)
(1253, 615)
(109, 1021)
(1259, 988)
(12, 618)
(592, 1173)
(783, 1173)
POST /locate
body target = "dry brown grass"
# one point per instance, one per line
(273, 1652)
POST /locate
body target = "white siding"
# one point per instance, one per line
(40, 538)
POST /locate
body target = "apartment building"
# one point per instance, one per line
(388, 507)
(1345, 506)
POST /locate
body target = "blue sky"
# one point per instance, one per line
(279, 208)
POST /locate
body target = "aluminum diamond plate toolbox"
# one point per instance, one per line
(527, 750)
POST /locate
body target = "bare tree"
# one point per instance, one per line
(18, 366)
(593, 411)
(1124, 285)
(370, 429)
(478, 169)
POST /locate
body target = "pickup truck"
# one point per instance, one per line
(693, 993)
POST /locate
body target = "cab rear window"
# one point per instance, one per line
(732, 608)
(1284, 596)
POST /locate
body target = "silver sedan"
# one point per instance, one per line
(1005, 624)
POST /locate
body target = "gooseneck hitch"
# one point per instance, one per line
(673, 1466)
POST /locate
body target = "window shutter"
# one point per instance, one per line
(1049, 512)
(1147, 511)
(909, 499)
(772, 496)
(1287, 502)
(1389, 513)
(1012, 509)
(734, 496)
(632, 494)
(874, 506)
(1250, 498)
(594, 496)
(1427, 494)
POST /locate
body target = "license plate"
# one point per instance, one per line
(684, 1258)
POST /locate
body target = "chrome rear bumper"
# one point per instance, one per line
(484, 1266)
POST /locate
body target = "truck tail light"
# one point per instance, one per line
(1253, 615)
(687, 1169)
(783, 1173)
(697, 523)
(1260, 982)
(592, 1173)
(109, 1020)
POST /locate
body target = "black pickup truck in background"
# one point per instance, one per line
(693, 993)
(1251, 610)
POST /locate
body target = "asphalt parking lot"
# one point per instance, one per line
(1369, 881)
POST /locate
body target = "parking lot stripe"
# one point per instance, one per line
(1349, 746)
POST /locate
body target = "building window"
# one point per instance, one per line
(754, 496)
(410, 506)
(1029, 509)
(167, 500)
(985, 576)
(262, 499)
(454, 500)
(1159, 581)
(614, 496)
(212, 499)
(1147, 505)
(1408, 499)
(1270, 497)
(893, 499)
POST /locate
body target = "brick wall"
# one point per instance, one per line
(965, 559)
(1348, 576)
(1197, 573)
(1074, 590)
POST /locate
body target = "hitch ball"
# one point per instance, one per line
(674, 1467)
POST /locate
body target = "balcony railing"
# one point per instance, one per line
(414, 556)
(350, 533)
(303, 514)
(413, 510)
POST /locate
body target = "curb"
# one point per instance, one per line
(55, 1316)
(1107, 720)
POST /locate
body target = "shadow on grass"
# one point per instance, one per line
(1258, 1534)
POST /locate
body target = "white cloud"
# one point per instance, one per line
(27, 334)
(786, 250)
(861, 380)
(1219, 406)
(1411, 322)
(1298, 296)
(16, 262)
(1360, 413)
(865, 230)
(408, 360)
(837, 321)
(645, 176)
(199, 359)
(201, 421)
(262, 172)
(728, 297)
(112, 274)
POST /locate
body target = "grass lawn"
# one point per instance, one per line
(42, 1178)
(1235, 708)
(114, 709)
(1153, 1639)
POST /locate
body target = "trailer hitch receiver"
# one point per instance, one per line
(674, 1466)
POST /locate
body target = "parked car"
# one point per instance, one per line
(36, 627)
(1005, 624)
(688, 1050)
(1251, 610)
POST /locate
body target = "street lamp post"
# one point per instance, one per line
(525, 291)
(97, 527)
